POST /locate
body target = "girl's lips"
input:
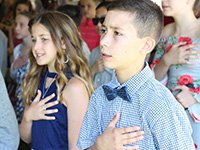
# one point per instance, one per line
(39, 55)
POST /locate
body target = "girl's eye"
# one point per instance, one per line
(44, 39)
(117, 33)
(33, 40)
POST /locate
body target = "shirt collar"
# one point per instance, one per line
(135, 82)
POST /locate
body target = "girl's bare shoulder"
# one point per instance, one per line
(168, 30)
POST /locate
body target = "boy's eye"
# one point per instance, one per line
(103, 31)
(117, 33)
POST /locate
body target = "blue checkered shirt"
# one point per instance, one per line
(153, 108)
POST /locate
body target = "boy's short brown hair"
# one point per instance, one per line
(147, 16)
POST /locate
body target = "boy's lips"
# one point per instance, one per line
(104, 55)
(164, 7)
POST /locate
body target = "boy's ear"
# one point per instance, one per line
(149, 44)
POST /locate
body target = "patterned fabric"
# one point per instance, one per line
(153, 108)
(183, 75)
(89, 34)
(113, 93)
(19, 76)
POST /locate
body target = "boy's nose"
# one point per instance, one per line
(104, 41)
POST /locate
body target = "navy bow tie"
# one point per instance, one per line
(113, 93)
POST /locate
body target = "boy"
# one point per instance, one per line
(130, 31)
(100, 74)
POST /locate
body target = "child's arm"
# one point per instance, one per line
(33, 112)
(176, 55)
(76, 100)
(116, 138)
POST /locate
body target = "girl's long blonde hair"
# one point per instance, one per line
(63, 31)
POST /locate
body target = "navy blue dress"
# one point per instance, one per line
(51, 134)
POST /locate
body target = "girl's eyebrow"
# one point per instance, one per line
(41, 35)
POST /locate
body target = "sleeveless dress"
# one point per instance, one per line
(51, 134)
(182, 74)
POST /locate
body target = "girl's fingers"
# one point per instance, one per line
(48, 98)
(37, 98)
(50, 111)
(49, 118)
(48, 105)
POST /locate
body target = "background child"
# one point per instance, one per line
(100, 74)
(75, 13)
(20, 66)
(130, 31)
(177, 58)
(87, 28)
(54, 113)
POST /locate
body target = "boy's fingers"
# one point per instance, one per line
(128, 129)
(114, 121)
(133, 135)
(132, 140)
(130, 147)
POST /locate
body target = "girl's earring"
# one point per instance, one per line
(66, 60)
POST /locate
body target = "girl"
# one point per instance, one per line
(87, 29)
(20, 66)
(54, 113)
(177, 59)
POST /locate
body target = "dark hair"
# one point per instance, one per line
(195, 5)
(25, 2)
(103, 4)
(26, 14)
(73, 11)
(147, 16)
